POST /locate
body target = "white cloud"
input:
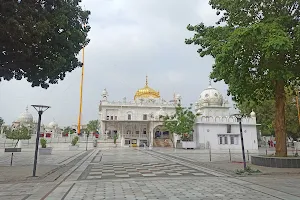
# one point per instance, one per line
(129, 40)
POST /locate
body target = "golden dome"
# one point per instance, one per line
(146, 92)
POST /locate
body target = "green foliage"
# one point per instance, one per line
(257, 46)
(181, 123)
(265, 114)
(69, 130)
(115, 138)
(21, 133)
(93, 126)
(40, 40)
(256, 52)
(75, 140)
(43, 142)
(1, 121)
(247, 171)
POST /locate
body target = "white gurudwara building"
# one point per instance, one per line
(138, 122)
(216, 128)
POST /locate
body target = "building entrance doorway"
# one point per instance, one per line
(160, 133)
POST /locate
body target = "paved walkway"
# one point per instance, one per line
(126, 173)
(22, 167)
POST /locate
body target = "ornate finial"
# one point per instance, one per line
(26, 108)
(146, 80)
(209, 81)
(174, 97)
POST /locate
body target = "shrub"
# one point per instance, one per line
(75, 140)
(43, 142)
(247, 171)
(115, 138)
(20, 133)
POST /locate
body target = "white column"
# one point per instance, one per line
(19, 144)
(151, 134)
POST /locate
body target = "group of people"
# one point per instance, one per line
(271, 143)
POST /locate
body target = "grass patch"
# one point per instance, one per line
(247, 171)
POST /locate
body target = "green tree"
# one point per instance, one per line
(256, 52)
(265, 114)
(69, 130)
(181, 123)
(1, 122)
(93, 126)
(40, 39)
(20, 133)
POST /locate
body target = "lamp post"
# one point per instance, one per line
(87, 140)
(40, 109)
(239, 119)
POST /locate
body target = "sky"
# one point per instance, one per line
(129, 40)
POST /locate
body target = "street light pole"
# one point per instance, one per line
(239, 119)
(40, 109)
(87, 138)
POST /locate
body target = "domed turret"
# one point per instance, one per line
(52, 124)
(252, 114)
(25, 117)
(104, 95)
(161, 112)
(146, 92)
(210, 97)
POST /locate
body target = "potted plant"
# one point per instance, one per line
(20, 133)
(44, 150)
(115, 139)
(74, 144)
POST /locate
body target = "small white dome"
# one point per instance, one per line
(211, 96)
(178, 96)
(25, 117)
(199, 112)
(52, 124)
(161, 112)
(104, 92)
(252, 114)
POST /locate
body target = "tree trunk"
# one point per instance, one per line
(280, 127)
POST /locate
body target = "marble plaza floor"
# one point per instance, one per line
(126, 173)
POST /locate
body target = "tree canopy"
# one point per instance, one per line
(20, 133)
(256, 52)
(69, 130)
(40, 39)
(265, 115)
(181, 122)
(93, 126)
(1, 121)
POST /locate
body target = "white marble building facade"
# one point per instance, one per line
(216, 128)
(137, 122)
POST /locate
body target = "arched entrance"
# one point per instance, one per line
(162, 137)
(160, 133)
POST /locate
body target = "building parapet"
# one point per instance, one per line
(133, 103)
(224, 119)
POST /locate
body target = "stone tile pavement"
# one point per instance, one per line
(204, 188)
(27, 157)
(23, 164)
(135, 170)
(73, 184)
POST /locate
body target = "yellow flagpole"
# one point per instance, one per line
(80, 100)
